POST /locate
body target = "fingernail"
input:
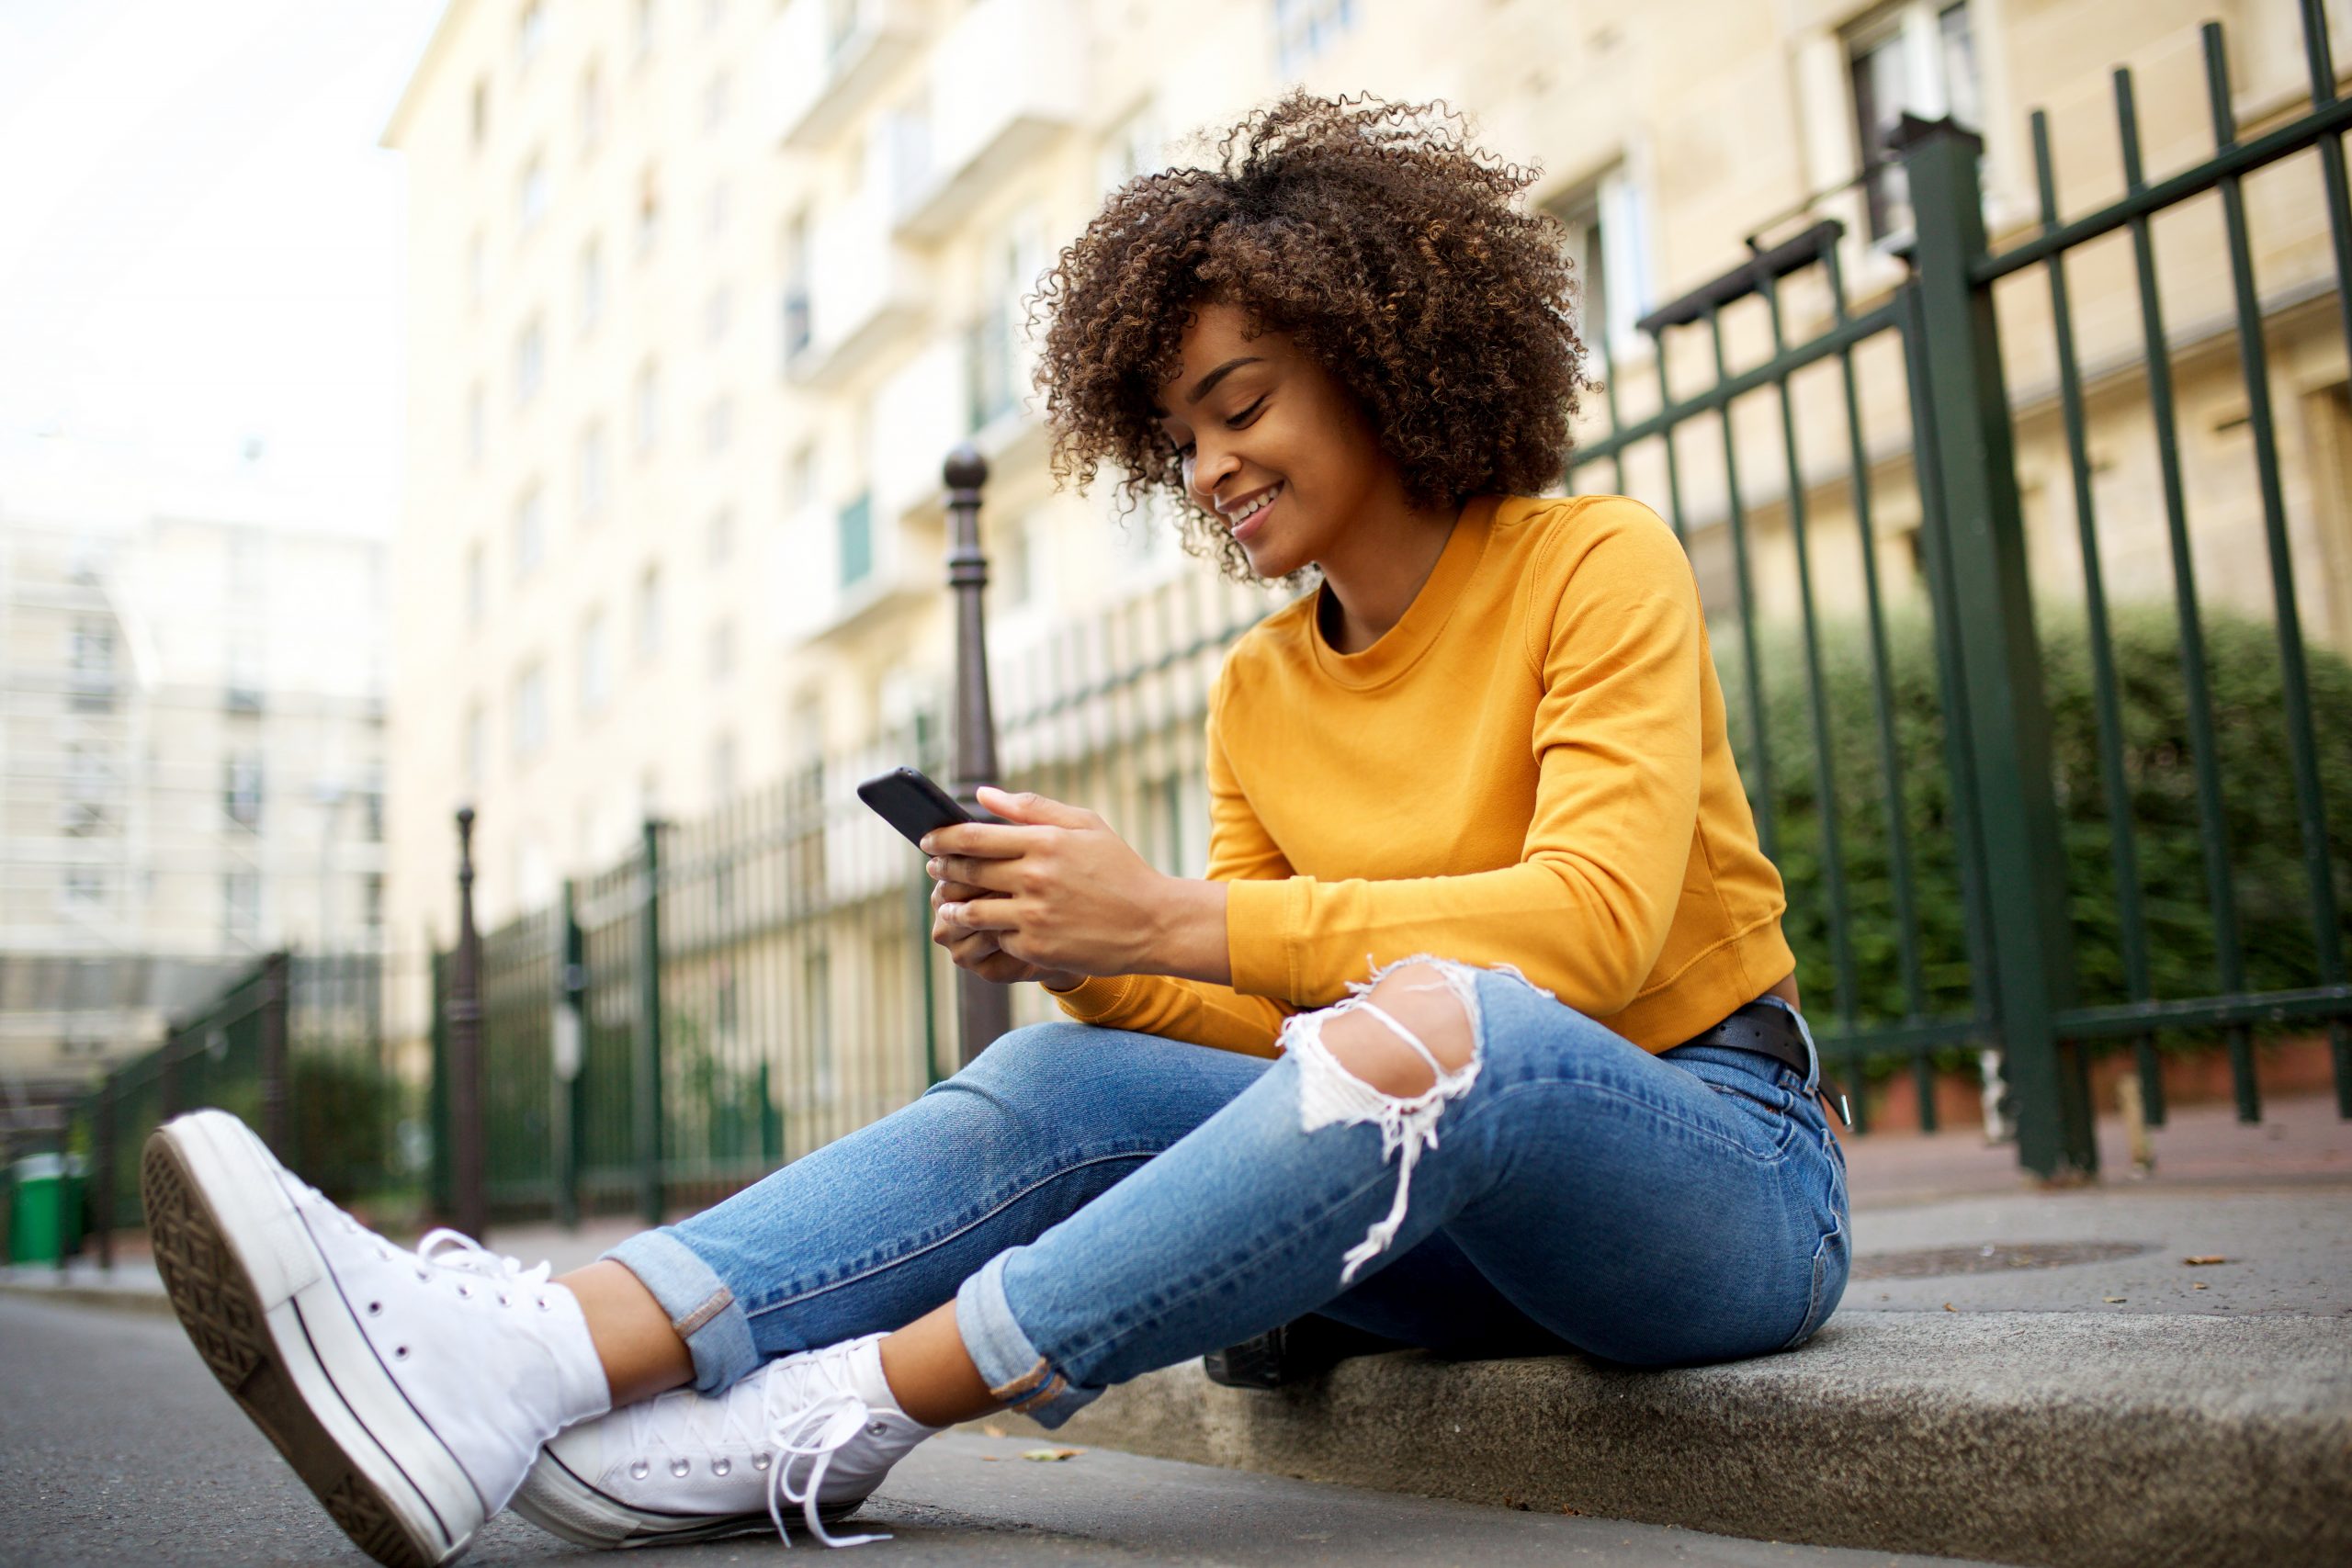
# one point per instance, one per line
(925, 844)
(931, 868)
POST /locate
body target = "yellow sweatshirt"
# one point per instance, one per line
(1530, 768)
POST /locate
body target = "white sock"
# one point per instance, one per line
(866, 1377)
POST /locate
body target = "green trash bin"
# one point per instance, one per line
(45, 1216)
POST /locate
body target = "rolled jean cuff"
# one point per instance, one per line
(1007, 1361)
(701, 1305)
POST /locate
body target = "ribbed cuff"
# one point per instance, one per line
(1259, 918)
(1096, 997)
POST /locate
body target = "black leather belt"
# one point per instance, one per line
(1770, 1030)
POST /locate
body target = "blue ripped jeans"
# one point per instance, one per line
(1099, 1203)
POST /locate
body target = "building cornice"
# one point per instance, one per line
(434, 47)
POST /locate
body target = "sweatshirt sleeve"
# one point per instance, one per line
(1614, 637)
(1198, 1010)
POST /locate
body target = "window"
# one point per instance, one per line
(644, 27)
(714, 102)
(476, 744)
(595, 663)
(477, 268)
(479, 124)
(649, 613)
(530, 34)
(476, 425)
(1917, 58)
(796, 310)
(89, 788)
(718, 425)
(1304, 28)
(1014, 578)
(854, 533)
(241, 788)
(477, 584)
(714, 209)
(530, 711)
(592, 108)
(531, 194)
(715, 311)
(530, 361)
(371, 903)
(240, 906)
(720, 535)
(800, 479)
(906, 132)
(594, 471)
(1008, 269)
(723, 650)
(1605, 239)
(647, 403)
(1136, 146)
(91, 651)
(649, 209)
(592, 283)
(712, 10)
(722, 768)
(530, 534)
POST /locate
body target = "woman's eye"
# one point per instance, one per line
(1237, 421)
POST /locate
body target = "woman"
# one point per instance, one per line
(1480, 1033)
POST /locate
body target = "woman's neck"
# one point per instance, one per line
(1377, 570)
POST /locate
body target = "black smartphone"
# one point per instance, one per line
(910, 802)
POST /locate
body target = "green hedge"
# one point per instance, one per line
(2271, 893)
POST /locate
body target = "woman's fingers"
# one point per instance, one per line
(990, 875)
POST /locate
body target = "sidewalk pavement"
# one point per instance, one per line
(2149, 1369)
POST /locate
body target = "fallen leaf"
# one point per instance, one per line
(2199, 1260)
(1949, 1307)
(1050, 1454)
(2200, 1285)
(990, 1458)
(2112, 1300)
(990, 1429)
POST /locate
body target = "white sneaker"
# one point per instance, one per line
(819, 1429)
(411, 1391)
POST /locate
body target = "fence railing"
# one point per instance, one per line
(1982, 792)
(298, 1047)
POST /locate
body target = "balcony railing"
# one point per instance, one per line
(1006, 85)
(864, 293)
(825, 60)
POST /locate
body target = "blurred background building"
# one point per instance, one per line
(191, 751)
(703, 290)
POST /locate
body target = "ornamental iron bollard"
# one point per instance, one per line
(983, 1008)
(469, 1197)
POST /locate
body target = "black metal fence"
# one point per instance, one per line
(299, 1048)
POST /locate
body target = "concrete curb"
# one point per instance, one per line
(121, 1298)
(2072, 1439)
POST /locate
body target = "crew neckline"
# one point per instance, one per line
(1400, 648)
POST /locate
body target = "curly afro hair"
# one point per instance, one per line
(1384, 243)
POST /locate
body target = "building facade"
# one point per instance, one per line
(191, 733)
(702, 291)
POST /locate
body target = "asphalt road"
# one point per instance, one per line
(119, 1448)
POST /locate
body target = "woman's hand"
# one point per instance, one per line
(978, 950)
(1056, 891)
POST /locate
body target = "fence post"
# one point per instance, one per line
(277, 1068)
(102, 1175)
(468, 1179)
(983, 1008)
(440, 1180)
(646, 1109)
(571, 1035)
(2032, 943)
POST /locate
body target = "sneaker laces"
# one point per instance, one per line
(817, 1431)
(445, 1248)
(760, 1415)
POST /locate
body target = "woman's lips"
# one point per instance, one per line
(1257, 520)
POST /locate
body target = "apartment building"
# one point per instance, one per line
(703, 290)
(191, 734)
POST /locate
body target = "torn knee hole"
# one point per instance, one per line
(1403, 1033)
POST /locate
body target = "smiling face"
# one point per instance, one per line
(1257, 423)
